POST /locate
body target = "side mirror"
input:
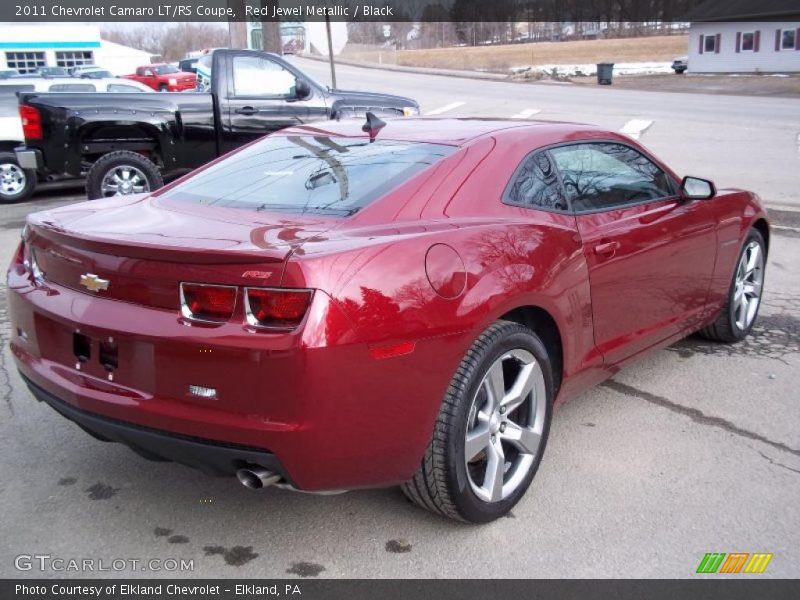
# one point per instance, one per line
(694, 188)
(302, 88)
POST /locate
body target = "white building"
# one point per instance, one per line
(27, 48)
(743, 36)
(744, 47)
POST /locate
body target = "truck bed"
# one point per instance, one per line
(171, 128)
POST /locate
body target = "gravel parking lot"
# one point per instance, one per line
(694, 449)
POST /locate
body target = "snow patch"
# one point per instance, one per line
(590, 69)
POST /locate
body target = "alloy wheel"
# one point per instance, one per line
(124, 180)
(505, 426)
(749, 284)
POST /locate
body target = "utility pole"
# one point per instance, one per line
(330, 51)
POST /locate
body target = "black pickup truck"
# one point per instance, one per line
(127, 143)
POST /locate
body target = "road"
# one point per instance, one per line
(694, 449)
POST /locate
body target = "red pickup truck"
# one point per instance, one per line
(164, 78)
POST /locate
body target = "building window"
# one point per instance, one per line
(748, 41)
(710, 44)
(789, 39)
(25, 62)
(74, 58)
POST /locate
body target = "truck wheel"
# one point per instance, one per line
(122, 173)
(16, 183)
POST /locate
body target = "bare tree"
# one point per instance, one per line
(270, 29)
(171, 42)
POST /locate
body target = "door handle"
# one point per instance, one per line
(246, 110)
(607, 249)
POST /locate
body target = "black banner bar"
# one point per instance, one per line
(731, 588)
(42, 11)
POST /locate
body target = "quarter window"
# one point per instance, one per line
(258, 76)
(601, 176)
(25, 62)
(536, 184)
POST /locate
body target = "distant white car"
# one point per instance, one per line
(70, 84)
(91, 72)
(16, 183)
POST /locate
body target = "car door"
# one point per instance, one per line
(650, 252)
(262, 99)
(148, 77)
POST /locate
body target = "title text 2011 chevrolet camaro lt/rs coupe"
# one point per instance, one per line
(332, 308)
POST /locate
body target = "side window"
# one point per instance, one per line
(600, 176)
(258, 76)
(535, 184)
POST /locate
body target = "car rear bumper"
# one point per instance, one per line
(331, 415)
(29, 158)
(208, 456)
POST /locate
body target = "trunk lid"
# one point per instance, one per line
(145, 246)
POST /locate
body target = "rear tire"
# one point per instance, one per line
(504, 432)
(738, 314)
(107, 176)
(16, 184)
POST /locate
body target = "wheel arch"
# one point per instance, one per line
(545, 326)
(92, 130)
(762, 227)
(97, 138)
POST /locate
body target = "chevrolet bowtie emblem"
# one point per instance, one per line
(93, 283)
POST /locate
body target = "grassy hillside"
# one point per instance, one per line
(502, 58)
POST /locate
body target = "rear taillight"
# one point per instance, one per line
(276, 308)
(207, 303)
(25, 262)
(31, 122)
(19, 255)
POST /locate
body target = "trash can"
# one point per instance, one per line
(605, 72)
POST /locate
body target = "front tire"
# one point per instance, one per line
(122, 173)
(738, 314)
(492, 428)
(16, 184)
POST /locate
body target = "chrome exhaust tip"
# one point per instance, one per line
(256, 477)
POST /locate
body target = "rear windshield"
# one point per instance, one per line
(298, 174)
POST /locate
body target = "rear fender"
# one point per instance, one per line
(151, 135)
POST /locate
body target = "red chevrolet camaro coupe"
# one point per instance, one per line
(330, 308)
